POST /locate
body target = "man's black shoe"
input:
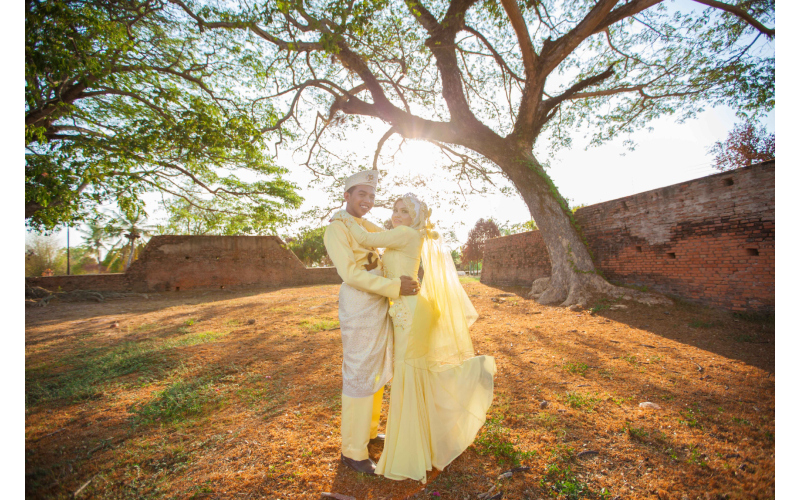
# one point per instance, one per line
(363, 466)
(378, 439)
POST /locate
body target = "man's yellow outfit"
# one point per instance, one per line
(367, 341)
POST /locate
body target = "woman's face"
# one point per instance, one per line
(401, 215)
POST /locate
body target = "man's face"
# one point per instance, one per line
(360, 200)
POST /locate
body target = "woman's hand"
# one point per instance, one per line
(408, 286)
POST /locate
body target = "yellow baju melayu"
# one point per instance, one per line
(440, 390)
(366, 333)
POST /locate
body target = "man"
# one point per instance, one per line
(367, 341)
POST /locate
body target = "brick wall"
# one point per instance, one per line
(99, 282)
(515, 260)
(194, 262)
(709, 240)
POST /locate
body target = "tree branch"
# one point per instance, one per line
(620, 13)
(495, 54)
(549, 104)
(740, 13)
(529, 57)
(555, 52)
(386, 136)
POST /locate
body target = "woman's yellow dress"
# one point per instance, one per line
(434, 414)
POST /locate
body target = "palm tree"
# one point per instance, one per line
(95, 236)
(129, 226)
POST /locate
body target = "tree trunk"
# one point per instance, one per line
(573, 278)
(130, 257)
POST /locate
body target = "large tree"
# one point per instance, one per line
(124, 97)
(485, 79)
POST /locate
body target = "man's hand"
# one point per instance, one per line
(408, 285)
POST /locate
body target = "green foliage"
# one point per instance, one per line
(576, 368)
(507, 229)
(309, 247)
(602, 305)
(495, 440)
(317, 325)
(83, 375)
(756, 317)
(580, 401)
(456, 256)
(635, 433)
(218, 216)
(123, 98)
(631, 358)
(691, 417)
(561, 480)
(42, 255)
(696, 323)
(182, 399)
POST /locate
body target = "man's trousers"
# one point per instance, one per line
(360, 424)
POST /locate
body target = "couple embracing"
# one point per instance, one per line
(415, 335)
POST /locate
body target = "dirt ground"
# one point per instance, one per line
(236, 394)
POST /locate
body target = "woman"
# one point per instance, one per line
(440, 389)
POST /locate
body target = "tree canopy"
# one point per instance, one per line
(484, 230)
(483, 81)
(126, 97)
(746, 144)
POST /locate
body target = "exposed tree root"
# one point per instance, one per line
(585, 289)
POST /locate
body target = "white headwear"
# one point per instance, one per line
(365, 177)
(420, 214)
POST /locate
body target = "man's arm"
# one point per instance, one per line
(338, 247)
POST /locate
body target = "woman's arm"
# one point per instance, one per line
(340, 252)
(394, 238)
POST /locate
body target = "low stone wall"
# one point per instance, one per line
(100, 282)
(174, 263)
(709, 240)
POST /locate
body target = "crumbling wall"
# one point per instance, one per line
(710, 240)
(171, 263)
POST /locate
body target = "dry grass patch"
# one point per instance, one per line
(236, 394)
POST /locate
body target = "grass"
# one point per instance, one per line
(580, 401)
(319, 325)
(468, 279)
(690, 418)
(546, 420)
(696, 323)
(87, 371)
(606, 373)
(743, 337)
(635, 433)
(234, 409)
(182, 399)
(576, 368)
(561, 480)
(264, 396)
(601, 305)
(697, 457)
(495, 440)
(754, 317)
(631, 358)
